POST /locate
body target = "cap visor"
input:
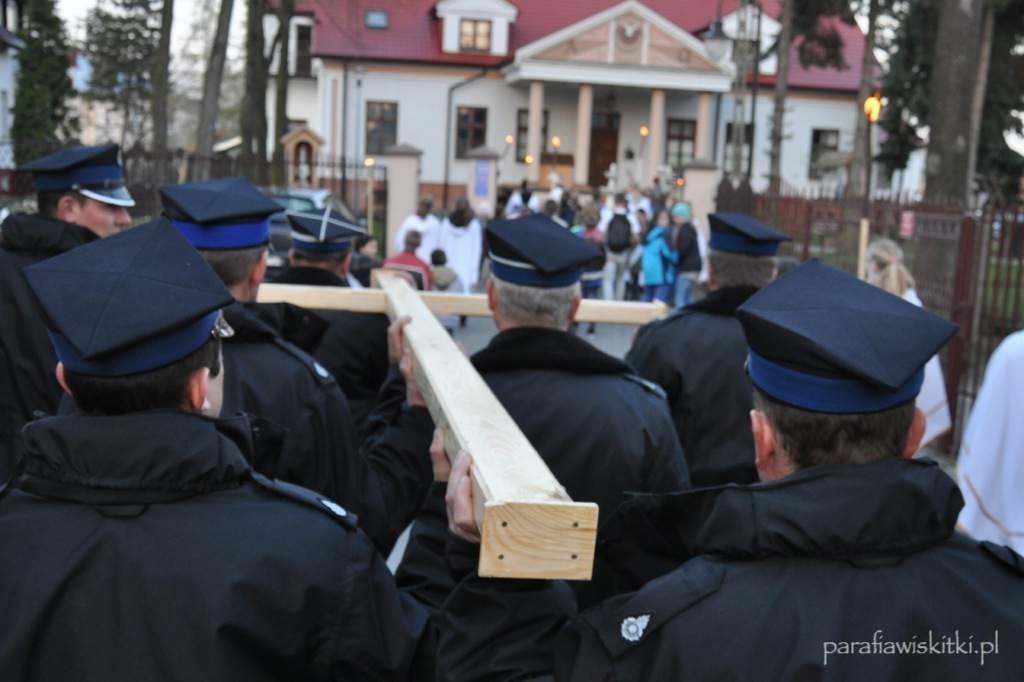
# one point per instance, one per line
(116, 196)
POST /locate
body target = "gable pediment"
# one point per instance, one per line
(629, 34)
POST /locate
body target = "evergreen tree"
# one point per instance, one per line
(42, 118)
(122, 41)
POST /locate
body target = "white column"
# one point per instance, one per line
(534, 143)
(656, 138)
(581, 157)
(704, 127)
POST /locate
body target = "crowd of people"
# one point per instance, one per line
(195, 485)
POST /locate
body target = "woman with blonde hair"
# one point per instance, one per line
(886, 270)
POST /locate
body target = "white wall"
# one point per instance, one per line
(303, 105)
(421, 93)
(8, 84)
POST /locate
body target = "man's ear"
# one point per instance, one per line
(59, 371)
(197, 390)
(346, 262)
(291, 257)
(259, 271)
(914, 434)
(492, 296)
(771, 463)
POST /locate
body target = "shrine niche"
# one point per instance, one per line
(302, 154)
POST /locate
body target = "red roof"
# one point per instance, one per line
(414, 32)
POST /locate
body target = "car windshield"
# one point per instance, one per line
(294, 203)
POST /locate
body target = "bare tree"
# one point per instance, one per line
(858, 164)
(254, 101)
(160, 78)
(209, 107)
(785, 42)
(955, 70)
(285, 10)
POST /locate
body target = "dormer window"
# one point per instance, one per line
(475, 35)
(476, 26)
(377, 18)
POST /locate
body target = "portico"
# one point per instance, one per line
(614, 60)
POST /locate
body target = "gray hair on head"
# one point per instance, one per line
(534, 306)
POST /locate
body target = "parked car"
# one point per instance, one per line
(295, 199)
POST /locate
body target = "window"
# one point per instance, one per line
(822, 141)
(303, 55)
(377, 18)
(680, 142)
(730, 151)
(523, 132)
(475, 35)
(472, 130)
(381, 126)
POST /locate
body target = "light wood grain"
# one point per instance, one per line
(470, 305)
(530, 527)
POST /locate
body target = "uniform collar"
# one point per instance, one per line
(35, 232)
(723, 301)
(853, 512)
(540, 348)
(310, 275)
(161, 450)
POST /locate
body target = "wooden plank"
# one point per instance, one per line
(470, 305)
(530, 527)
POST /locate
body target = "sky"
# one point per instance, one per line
(74, 12)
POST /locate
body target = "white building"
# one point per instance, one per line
(573, 86)
(10, 45)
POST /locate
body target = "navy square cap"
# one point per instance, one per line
(130, 303)
(322, 231)
(822, 340)
(741, 233)
(228, 213)
(94, 172)
(538, 252)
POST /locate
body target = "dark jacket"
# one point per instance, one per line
(28, 384)
(383, 481)
(686, 244)
(600, 429)
(352, 346)
(141, 547)
(791, 580)
(698, 356)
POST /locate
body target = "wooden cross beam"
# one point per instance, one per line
(530, 527)
(470, 305)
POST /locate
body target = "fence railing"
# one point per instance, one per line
(359, 187)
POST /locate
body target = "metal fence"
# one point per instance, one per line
(361, 189)
(968, 267)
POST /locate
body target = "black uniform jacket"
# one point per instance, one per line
(820, 576)
(698, 356)
(27, 381)
(384, 481)
(141, 547)
(352, 346)
(600, 429)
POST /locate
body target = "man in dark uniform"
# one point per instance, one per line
(844, 564)
(140, 543)
(697, 354)
(265, 375)
(601, 429)
(351, 345)
(81, 197)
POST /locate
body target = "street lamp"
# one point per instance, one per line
(644, 131)
(556, 142)
(715, 40)
(872, 110)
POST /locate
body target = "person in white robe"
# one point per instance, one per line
(990, 469)
(461, 239)
(424, 222)
(885, 269)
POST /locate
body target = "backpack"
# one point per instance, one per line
(688, 248)
(619, 234)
